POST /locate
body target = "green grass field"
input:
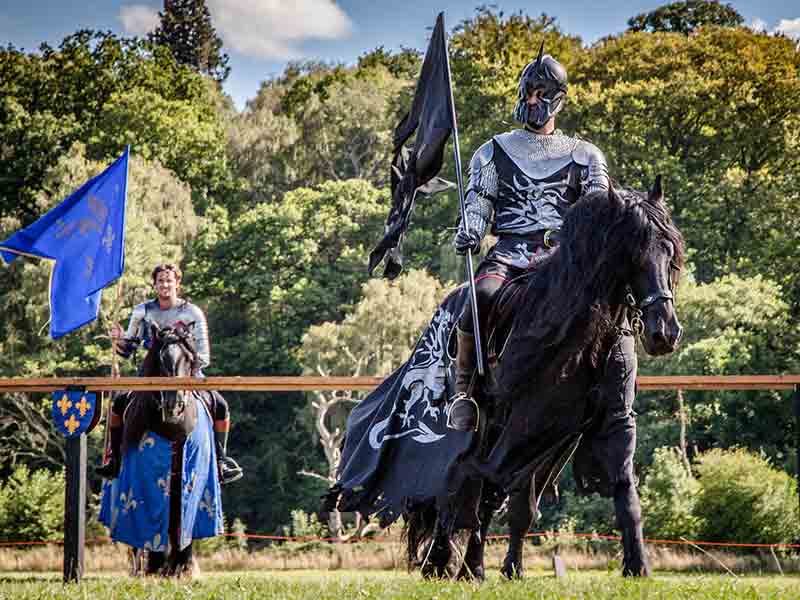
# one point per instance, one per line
(344, 585)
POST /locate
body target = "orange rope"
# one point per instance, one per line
(285, 538)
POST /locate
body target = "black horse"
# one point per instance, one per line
(553, 395)
(172, 415)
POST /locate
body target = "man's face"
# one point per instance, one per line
(535, 96)
(166, 284)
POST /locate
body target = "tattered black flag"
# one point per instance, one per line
(414, 169)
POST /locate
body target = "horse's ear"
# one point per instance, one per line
(656, 193)
(155, 331)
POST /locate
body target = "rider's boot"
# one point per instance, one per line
(462, 413)
(110, 470)
(229, 469)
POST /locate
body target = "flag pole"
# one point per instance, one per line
(463, 209)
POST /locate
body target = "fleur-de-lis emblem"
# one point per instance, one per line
(128, 501)
(190, 484)
(71, 424)
(83, 406)
(64, 404)
(146, 441)
(108, 238)
(155, 545)
(87, 272)
(207, 504)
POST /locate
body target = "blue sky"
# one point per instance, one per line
(261, 36)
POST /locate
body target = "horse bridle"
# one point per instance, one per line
(637, 308)
(183, 342)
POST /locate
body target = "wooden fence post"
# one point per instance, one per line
(75, 509)
(75, 413)
(797, 434)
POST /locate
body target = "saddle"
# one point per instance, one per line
(501, 316)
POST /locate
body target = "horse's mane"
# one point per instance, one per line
(566, 307)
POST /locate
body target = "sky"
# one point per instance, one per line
(262, 36)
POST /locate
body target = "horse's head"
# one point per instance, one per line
(655, 271)
(175, 356)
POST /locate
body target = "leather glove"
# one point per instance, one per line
(464, 241)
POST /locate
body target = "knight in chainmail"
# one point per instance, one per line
(168, 310)
(520, 185)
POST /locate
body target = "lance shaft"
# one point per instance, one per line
(463, 208)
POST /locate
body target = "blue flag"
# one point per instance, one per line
(85, 236)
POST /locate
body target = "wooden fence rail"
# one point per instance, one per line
(75, 493)
(305, 384)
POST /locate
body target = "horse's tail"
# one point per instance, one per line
(419, 531)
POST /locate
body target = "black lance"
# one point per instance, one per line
(463, 208)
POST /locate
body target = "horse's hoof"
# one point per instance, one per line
(638, 570)
(511, 571)
(476, 574)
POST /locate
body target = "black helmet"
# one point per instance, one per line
(545, 74)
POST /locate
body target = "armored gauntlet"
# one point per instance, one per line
(478, 215)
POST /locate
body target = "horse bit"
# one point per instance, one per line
(637, 309)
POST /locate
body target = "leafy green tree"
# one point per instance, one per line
(32, 506)
(263, 148)
(716, 113)
(733, 326)
(669, 496)
(186, 29)
(380, 332)
(313, 124)
(744, 498)
(279, 267)
(404, 64)
(179, 134)
(265, 276)
(686, 17)
(105, 92)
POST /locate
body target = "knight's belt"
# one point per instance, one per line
(544, 238)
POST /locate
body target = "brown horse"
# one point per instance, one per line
(555, 394)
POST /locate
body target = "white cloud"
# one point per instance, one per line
(274, 29)
(138, 19)
(759, 25)
(789, 27)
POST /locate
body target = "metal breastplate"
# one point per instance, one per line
(533, 188)
(536, 184)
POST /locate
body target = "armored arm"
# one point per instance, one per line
(479, 202)
(594, 168)
(203, 345)
(134, 334)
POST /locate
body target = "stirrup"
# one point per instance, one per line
(229, 471)
(461, 397)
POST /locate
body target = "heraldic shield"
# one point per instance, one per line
(75, 411)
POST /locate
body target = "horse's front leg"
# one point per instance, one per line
(438, 555)
(521, 512)
(473, 567)
(629, 520)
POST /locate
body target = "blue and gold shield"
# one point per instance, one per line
(74, 411)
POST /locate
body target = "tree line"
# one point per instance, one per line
(272, 211)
